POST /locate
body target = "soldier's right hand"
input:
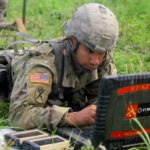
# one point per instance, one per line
(82, 118)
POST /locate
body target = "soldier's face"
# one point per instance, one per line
(87, 58)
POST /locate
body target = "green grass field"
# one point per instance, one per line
(45, 17)
(44, 20)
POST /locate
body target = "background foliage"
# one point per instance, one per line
(45, 17)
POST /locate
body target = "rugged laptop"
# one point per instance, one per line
(121, 98)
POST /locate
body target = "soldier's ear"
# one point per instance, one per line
(71, 40)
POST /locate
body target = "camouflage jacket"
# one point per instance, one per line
(34, 77)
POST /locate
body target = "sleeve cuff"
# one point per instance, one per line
(58, 116)
(63, 120)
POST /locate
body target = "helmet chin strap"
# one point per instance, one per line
(73, 49)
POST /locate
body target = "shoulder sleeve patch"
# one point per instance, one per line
(40, 91)
(39, 78)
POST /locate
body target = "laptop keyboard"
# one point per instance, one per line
(84, 132)
(87, 134)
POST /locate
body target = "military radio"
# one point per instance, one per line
(36, 140)
(21, 136)
(46, 143)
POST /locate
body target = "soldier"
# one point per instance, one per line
(16, 25)
(56, 78)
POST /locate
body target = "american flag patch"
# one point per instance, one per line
(39, 78)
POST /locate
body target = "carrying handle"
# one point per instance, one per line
(29, 39)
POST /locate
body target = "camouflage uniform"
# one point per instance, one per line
(16, 25)
(3, 6)
(30, 105)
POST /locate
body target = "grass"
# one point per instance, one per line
(4, 109)
(44, 19)
(145, 137)
(131, 55)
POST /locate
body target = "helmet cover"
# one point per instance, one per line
(95, 26)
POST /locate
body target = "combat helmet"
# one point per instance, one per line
(95, 26)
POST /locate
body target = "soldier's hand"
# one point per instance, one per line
(82, 118)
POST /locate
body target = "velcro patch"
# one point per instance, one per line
(39, 78)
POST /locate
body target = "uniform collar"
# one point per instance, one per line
(70, 79)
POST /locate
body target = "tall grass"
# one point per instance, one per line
(4, 109)
(144, 136)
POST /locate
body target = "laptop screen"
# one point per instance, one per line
(121, 98)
